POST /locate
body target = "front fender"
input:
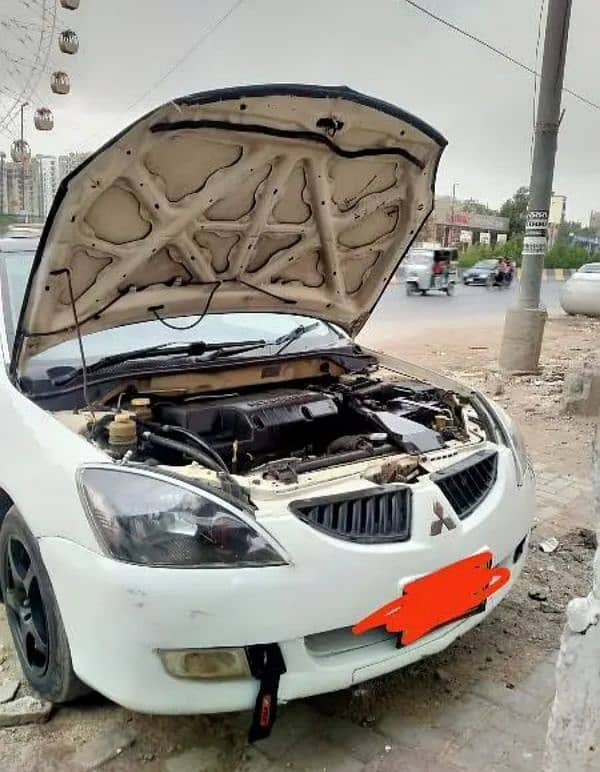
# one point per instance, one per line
(38, 461)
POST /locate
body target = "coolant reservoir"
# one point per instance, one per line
(122, 430)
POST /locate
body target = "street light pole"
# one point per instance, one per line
(449, 229)
(2, 182)
(23, 106)
(524, 326)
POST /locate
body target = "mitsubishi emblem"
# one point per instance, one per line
(438, 525)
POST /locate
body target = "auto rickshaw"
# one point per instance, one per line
(431, 269)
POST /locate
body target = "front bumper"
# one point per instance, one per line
(117, 615)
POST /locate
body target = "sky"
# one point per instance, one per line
(385, 48)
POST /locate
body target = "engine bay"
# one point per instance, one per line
(281, 431)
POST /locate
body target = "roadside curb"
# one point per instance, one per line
(554, 274)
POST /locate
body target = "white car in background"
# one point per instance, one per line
(581, 293)
(210, 496)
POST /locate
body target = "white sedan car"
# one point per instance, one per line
(211, 498)
(581, 293)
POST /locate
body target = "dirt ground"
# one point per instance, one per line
(517, 635)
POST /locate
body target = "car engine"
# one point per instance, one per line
(281, 432)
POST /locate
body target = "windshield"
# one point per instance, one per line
(485, 264)
(590, 268)
(214, 328)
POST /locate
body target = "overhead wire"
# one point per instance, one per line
(495, 50)
(193, 48)
(189, 52)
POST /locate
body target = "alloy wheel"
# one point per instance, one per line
(25, 607)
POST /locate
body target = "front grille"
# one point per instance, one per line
(375, 516)
(467, 483)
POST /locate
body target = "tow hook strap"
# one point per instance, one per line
(266, 665)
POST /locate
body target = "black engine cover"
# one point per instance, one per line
(260, 422)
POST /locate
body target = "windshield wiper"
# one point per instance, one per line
(283, 341)
(194, 348)
(294, 334)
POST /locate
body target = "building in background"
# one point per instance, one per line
(42, 177)
(451, 225)
(556, 217)
(45, 182)
(16, 203)
(595, 221)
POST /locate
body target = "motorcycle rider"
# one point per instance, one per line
(504, 273)
(499, 275)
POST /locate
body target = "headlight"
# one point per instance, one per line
(145, 519)
(509, 434)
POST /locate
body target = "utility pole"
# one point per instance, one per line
(524, 326)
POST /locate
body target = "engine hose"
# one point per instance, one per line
(344, 458)
(101, 427)
(184, 449)
(206, 448)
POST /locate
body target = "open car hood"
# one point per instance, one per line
(297, 199)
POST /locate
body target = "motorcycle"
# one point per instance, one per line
(500, 280)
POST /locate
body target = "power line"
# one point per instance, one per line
(193, 48)
(213, 28)
(495, 50)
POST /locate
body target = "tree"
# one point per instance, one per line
(515, 209)
(569, 227)
(476, 207)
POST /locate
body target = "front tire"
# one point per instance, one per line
(33, 615)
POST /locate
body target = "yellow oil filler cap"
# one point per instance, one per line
(141, 406)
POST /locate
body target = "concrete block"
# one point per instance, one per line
(8, 690)
(25, 710)
(581, 390)
(522, 342)
(105, 747)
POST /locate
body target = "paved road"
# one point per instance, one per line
(476, 302)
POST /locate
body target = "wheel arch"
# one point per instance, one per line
(6, 502)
